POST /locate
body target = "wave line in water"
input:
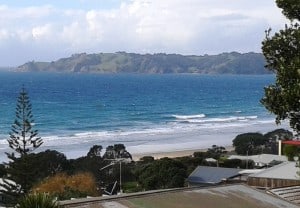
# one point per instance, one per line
(185, 117)
(216, 119)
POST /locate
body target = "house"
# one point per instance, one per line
(207, 175)
(284, 174)
(262, 160)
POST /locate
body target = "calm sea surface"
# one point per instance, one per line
(78, 110)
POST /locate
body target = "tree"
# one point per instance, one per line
(22, 140)
(291, 151)
(249, 143)
(95, 151)
(271, 146)
(282, 53)
(116, 151)
(91, 163)
(163, 173)
(48, 163)
(215, 152)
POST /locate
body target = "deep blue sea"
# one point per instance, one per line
(145, 112)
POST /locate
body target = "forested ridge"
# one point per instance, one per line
(122, 62)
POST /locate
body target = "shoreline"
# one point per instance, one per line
(173, 143)
(173, 154)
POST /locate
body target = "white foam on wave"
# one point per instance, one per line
(185, 117)
(221, 120)
(132, 135)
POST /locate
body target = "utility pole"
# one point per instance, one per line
(247, 160)
(121, 191)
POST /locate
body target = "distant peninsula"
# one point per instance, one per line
(122, 62)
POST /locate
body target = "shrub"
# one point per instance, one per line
(291, 151)
(37, 200)
(65, 187)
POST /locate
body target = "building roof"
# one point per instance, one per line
(285, 170)
(291, 142)
(210, 160)
(291, 193)
(212, 175)
(220, 196)
(262, 159)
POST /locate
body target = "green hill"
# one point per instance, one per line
(121, 62)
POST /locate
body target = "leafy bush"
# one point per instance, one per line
(37, 200)
(163, 173)
(291, 151)
(249, 143)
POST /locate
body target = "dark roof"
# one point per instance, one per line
(212, 175)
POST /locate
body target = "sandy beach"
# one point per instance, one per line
(173, 154)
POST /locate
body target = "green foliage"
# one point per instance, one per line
(279, 134)
(256, 143)
(30, 169)
(249, 143)
(282, 53)
(38, 200)
(237, 163)
(190, 162)
(199, 154)
(3, 171)
(121, 62)
(163, 173)
(131, 187)
(233, 163)
(48, 163)
(290, 151)
(116, 151)
(271, 145)
(291, 8)
(22, 172)
(23, 140)
(95, 151)
(94, 162)
(215, 152)
(147, 159)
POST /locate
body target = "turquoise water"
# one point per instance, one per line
(81, 109)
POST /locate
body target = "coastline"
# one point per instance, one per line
(173, 143)
(173, 154)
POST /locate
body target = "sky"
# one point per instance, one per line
(35, 30)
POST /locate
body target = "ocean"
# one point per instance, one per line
(147, 113)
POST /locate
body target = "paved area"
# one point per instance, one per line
(112, 204)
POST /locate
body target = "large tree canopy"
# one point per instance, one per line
(282, 53)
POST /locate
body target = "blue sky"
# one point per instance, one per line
(49, 30)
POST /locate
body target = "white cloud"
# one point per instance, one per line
(171, 26)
